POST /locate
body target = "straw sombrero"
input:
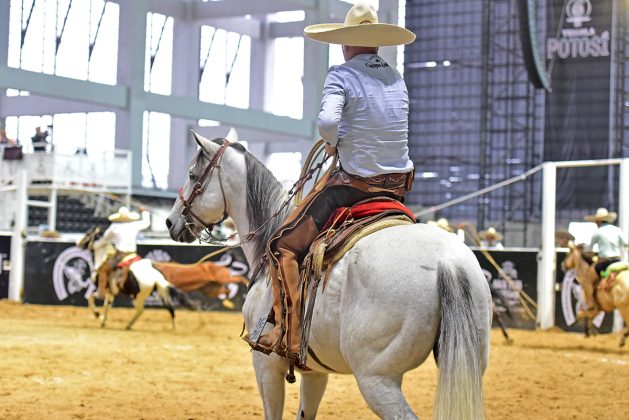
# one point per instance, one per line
(601, 215)
(360, 29)
(124, 215)
(490, 233)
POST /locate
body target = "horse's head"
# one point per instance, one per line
(576, 257)
(203, 200)
(87, 241)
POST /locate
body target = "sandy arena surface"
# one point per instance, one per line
(56, 363)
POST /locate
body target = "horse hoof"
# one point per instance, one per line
(96, 315)
(509, 341)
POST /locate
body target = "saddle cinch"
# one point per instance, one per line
(345, 227)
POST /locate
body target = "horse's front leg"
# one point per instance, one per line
(109, 300)
(91, 303)
(312, 388)
(270, 371)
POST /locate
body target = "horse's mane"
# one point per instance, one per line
(265, 195)
(587, 256)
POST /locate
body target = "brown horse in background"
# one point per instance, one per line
(607, 299)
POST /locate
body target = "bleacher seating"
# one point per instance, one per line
(72, 215)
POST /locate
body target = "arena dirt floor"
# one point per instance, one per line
(56, 363)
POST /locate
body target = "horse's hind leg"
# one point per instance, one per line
(625, 332)
(138, 304)
(312, 388)
(167, 301)
(384, 396)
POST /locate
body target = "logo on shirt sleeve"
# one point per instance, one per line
(375, 62)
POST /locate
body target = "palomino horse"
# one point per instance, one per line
(397, 295)
(616, 297)
(143, 279)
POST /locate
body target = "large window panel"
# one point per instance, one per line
(224, 61)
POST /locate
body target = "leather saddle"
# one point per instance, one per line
(345, 227)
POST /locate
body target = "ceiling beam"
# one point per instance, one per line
(63, 87)
(106, 97)
(18, 106)
(194, 109)
(214, 9)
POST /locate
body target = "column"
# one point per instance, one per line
(546, 272)
(131, 52)
(185, 82)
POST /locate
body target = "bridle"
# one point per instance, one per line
(190, 218)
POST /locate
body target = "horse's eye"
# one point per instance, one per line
(192, 176)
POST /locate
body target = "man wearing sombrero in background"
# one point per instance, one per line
(122, 234)
(490, 238)
(363, 118)
(610, 240)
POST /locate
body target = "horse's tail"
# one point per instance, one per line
(459, 349)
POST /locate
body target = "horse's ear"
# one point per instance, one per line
(571, 245)
(204, 143)
(232, 136)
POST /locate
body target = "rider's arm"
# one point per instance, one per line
(331, 108)
(145, 222)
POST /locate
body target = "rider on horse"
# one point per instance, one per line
(122, 234)
(610, 240)
(363, 118)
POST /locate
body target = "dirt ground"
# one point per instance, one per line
(56, 363)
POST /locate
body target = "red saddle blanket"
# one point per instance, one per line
(365, 209)
(126, 263)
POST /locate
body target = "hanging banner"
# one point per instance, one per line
(577, 109)
(62, 274)
(5, 265)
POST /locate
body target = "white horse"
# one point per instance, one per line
(143, 279)
(399, 294)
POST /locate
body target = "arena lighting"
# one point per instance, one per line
(428, 64)
(428, 174)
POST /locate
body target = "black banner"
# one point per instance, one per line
(568, 301)
(5, 265)
(61, 274)
(577, 109)
(521, 266)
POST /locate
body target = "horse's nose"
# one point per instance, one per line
(169, 224)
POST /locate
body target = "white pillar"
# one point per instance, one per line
(315, 65)
(4, 32)
(18, 241)
(623, 222)
(131, 55)
(52, 210)
(546, 281)
(185, 82)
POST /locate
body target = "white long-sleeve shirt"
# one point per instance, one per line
(610, 240)
(364, 113)
(123, 235)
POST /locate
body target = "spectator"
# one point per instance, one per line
(490, 238)
(40, 140)
(5, 140)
